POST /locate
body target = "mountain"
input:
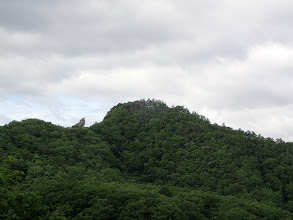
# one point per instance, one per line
(145, 160)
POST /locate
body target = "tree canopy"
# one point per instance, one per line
(145, 160)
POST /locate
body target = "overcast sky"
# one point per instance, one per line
(229, 60)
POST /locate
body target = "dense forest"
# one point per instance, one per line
(145, 160)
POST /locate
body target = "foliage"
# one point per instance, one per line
(145, 160)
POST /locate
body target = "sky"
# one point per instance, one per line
(229, 60)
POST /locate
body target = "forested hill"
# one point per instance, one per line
(145, 160)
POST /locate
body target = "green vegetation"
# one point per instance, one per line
(145, 160)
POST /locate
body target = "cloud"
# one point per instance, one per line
(272, 122)
(262, 78)
(228, 60)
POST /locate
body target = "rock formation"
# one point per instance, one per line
(80, 124)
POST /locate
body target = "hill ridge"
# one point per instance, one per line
(144, 160)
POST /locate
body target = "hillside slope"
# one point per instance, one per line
(165, 145)
(145, 160)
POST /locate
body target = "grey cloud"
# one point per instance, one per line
(93, 27)
(211, 56)
(81, 28)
